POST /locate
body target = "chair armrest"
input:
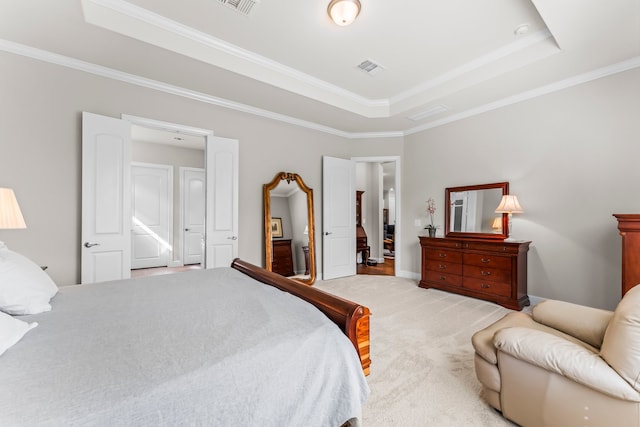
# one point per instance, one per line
(588, 324)
(565, 358)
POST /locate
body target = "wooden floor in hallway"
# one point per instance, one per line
(387, 268)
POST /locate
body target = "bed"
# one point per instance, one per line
(204, 348)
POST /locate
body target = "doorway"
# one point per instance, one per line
(106, 195)
(184, 195)
(379, 180)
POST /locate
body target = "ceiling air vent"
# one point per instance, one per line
(370, 67)
(242, 6)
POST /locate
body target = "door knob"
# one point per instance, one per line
(186, 229)
(326, 233)
(232, 238)
(90, 245)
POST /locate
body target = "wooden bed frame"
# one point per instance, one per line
(351, 318)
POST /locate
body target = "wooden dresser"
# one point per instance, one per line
(629, 227)
(491, 270)
(282, 262)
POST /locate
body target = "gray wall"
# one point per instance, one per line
(40, 155)
(571, 157)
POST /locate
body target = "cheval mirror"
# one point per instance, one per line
(470, 211)
(289, 228)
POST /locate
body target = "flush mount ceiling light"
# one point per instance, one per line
(343, 12)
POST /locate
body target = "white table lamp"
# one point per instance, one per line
(10, 215)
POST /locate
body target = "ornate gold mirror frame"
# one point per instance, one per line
(296, 227)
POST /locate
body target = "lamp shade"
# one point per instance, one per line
(10, 215)
(497, 223)
(343, 12)
(509, 204)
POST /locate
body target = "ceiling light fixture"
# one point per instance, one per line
(343, 12)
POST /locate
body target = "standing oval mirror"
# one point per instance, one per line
(289, 228)
(470, 211)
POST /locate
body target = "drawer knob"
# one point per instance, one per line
(441, 255)
(443, 278)
(485, 286)
(442, 266)
(485, 260)
(485, 273)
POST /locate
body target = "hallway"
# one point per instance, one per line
(382, 269)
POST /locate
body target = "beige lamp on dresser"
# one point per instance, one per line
(629, 226)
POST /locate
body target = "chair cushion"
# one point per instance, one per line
(483, 339)
(621, 344)
(585, 323)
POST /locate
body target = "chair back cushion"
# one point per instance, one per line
(621, 344)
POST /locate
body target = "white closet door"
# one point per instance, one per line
(193, 214)
(106, 204)
(222, 202)
(152, 207)
(338, 218)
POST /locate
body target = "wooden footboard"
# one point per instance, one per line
(351, 318)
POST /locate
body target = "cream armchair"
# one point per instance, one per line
(564, 365)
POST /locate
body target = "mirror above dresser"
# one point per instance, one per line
(470, 211)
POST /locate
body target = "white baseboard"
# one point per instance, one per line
(408, 274)
(534, 300)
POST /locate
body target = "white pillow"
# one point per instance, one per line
(12, 330)
(24, 287)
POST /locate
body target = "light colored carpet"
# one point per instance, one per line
(422, 360)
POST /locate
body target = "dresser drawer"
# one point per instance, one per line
(445, 278)
(444, 255)
(488, 261)
(487, 286)
(444, 267)
(487, 273)
(503, 247)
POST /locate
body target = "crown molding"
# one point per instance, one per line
(534, 93)
(109, 13)
(474, 65)
(201, 38)
(53, 58)
(99, 70)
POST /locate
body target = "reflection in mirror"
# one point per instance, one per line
(471, 211)
(289, 228)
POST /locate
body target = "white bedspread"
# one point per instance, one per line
(200, 348)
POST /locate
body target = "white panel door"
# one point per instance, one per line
(193, 209)
(106, 204)
(221, 237)
(338, 217)
(152, 208)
